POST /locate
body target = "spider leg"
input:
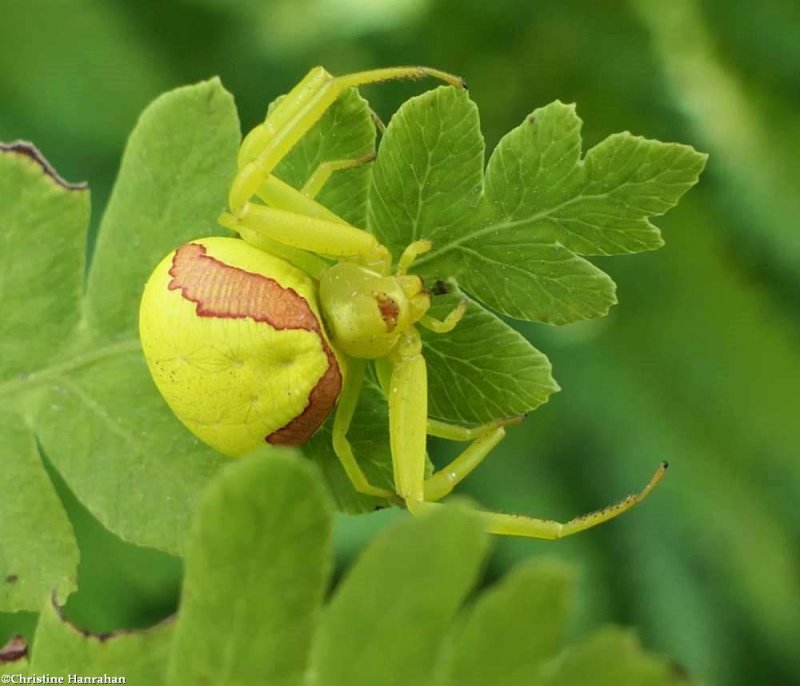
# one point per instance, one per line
(319, 177)
(266, 145)
(411, 253)
(299, 230)
(448, 323)
(280, 195)
(408, 417)
(299, 223)
(408, 424)
(283, 196)
(295, 220)
(484, 439)
(341, 424)
(518, 525)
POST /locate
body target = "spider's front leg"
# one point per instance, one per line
(409, 426)
(291, 217)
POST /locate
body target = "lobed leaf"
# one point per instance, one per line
(43, 235)
(513, 629)
(251, 609)
(609, 657)
(386, 623)
(255, 576)
(256, 570)
(427, 178)
(514, 240)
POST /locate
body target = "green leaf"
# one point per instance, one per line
(610, 657)
(44, 221)
(172, 186)
(256, 570)
(387, 621)
(513, 628)
(61, 649)
(468, 381)
(598, 206)
(536, 281)
(428, 174)
(515, 240)
(38, 551)
(44, 231)
(72, 368)
(128, 459)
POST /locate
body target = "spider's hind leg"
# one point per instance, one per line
(408, 423)
(484, 439)
(519, 525)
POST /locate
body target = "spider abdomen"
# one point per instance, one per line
(233, 340)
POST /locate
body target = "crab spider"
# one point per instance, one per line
(262, 338)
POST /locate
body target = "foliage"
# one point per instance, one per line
(72, 364)
(698, 366)
(252, 610)
(139, 473)
(135, 470)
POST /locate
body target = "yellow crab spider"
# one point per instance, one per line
(261, 339)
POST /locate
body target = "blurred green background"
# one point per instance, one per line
(699, 365)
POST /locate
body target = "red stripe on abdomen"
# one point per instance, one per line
(220, 290)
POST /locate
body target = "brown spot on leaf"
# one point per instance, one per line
(28, 149)
(220, 290)
(15, 649)
(105, 635)
(390, 310)
(12, 579)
